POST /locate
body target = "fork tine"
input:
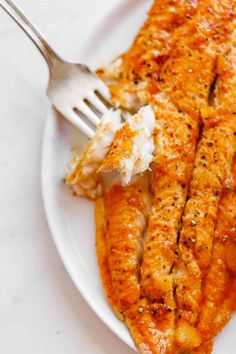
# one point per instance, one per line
(84, 108)
(76, 120)
(97, 103)
(102, 88)
(103, 99)
(93, 108)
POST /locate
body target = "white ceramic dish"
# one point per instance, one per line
(71, 219)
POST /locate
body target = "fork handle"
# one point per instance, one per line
(32, 32)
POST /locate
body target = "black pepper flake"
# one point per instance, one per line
(154, 311)
(189, 17)
(186, 243)
(210, 144)
(217, 192)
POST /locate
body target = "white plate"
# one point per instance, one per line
(71, 219)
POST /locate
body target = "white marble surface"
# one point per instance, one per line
(41, 311)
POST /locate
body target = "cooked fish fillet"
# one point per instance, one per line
(219, 285)
(218, 319)
(142, 319)
(125, 209)
(84, 178)
(198, 224)
(213, 165)
(123, 149)
(176, 140)
(194, 55)
(101, 225)
(132, 149)
(133, 78)
(177, 134)
(173, 64)
(123, 75)
(120, 223)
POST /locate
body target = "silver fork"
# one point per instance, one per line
(75, 91)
